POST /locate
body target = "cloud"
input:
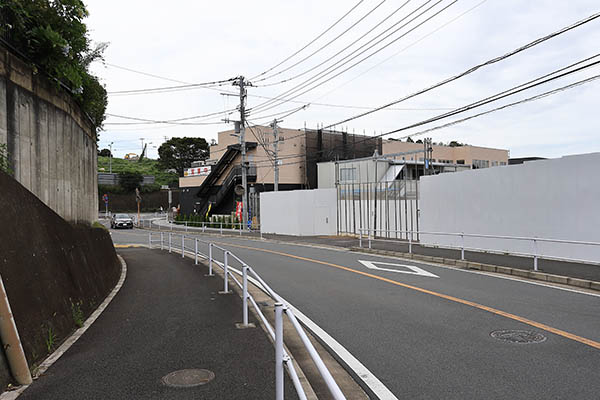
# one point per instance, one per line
(204, 41)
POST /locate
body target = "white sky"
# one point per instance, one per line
(199, 41)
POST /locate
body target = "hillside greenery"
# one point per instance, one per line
(144, 167)
(52, 37)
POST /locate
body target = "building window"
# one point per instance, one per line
(477, 164)
(462, 162)
(347, 175)
(494, 163)
(502, 163)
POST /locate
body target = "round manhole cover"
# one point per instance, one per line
(188, 378)
(518, 337)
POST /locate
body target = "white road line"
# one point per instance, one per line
(73, 338)
(413, 270)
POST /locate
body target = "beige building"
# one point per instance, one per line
(473, 156)
(299, 151)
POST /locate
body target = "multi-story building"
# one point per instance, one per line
(299, 151)
(472, 156)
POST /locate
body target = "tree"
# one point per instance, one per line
(52, 37)
(454, 143)
(409, 140)
(419, 141)
(130, 180)
(104, 153)
(179, 153)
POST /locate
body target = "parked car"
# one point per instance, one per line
(121, 221)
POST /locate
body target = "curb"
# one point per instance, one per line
(52, 358)
(462, 264)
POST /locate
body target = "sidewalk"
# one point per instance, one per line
(167, 316)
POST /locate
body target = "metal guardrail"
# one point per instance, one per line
(535, 254)
(169, 241)
(221, 227)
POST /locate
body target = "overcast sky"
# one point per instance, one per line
(201, 41)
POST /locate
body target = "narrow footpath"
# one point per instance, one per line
(168, 316)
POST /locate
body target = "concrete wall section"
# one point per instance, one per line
(51, 144)
(556, 199)
(299, 212)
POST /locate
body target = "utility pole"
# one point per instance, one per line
(276, 150)
(110, 158)
(242, 83)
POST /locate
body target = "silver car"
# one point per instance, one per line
(121, 221)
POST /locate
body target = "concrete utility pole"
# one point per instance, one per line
(242, 83)
(276, 150)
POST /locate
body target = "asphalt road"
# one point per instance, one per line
(430, 337)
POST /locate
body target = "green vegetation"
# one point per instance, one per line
(143, 167)
(129, 181)
(98, 225)
(50, 339)
(52, 37)
(4, 163)
(179, 153)
(77, 313)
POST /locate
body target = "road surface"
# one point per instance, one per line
(427, 331)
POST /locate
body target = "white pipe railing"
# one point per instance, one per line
(282, 358)
(535, 254)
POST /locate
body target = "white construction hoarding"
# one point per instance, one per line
(299, 212)
(555, 199)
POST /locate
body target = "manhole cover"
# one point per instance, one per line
(518, 337)
(188, 378)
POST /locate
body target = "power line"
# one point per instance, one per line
(354, 25)
(323, 74)
(166, 123)
(401, 51)
(173, 120)
(172, 88)
(145, 73)
(527, 100)
(377, 25)
(473, 69)
(311, 42)
(557, 74)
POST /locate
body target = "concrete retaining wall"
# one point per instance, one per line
(51, 143)
(555, 199)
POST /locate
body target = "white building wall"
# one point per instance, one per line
(556, 199)
(299, 212)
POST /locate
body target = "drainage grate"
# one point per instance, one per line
(518, 336)
(188, 378)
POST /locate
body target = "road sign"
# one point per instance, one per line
(400, 268)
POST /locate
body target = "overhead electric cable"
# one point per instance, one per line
(527, 100)
(475, 68)
(317, 77)
(557, 74)
(352, 26)
(401, 51)
(377, 25)
(309, 43)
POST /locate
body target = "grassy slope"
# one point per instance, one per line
(145, 167)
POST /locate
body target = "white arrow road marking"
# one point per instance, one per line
(413, 270)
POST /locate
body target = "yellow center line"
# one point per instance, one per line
(527, 321)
